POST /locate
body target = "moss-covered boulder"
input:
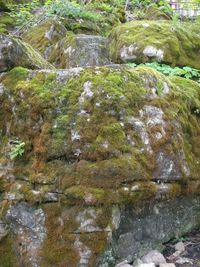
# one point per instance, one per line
(14, 52)
(97, 144)
(161, 41)
(45, 35)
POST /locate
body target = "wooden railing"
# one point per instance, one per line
(187, 9)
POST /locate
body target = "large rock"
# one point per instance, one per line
(161, 41)
(14, 52)
(115, 148)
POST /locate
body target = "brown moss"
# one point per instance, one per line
(58, 247)
(7, 256)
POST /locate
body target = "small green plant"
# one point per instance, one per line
(17, 149)
(186, 72)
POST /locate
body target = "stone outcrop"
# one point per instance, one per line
(161, 41)
(14, 52)
(98, 143)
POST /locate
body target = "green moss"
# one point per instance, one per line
(7, 253)
(58, 247)
(16, 75)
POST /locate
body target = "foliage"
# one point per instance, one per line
(17, 150)
(162, 4)
(22, 13)
(186, 72)
(65, 8)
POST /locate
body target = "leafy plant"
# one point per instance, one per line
(17, 149)
(186, 72)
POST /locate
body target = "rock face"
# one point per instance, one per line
(98, 143)
(161, 41)
(14, 52)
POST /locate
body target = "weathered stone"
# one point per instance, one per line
(14, 52)
(153, 256)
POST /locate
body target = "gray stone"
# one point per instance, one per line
(153, 256)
